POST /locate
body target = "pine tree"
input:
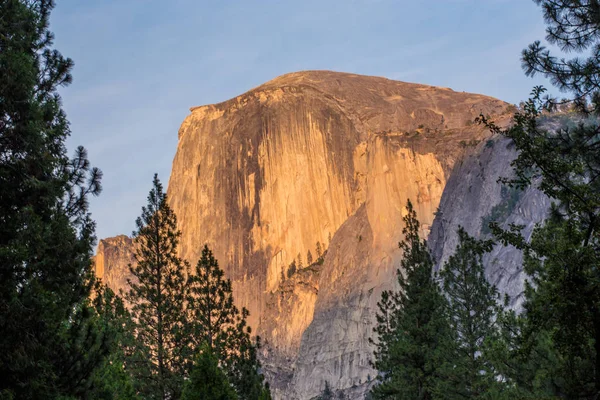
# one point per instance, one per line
(319, 250)
(327, 392)
(527, 370)
(412, 327)
(472, 309)
(207, 380)
(291, 269)
(299, 264)
(562, 306)
(157, 295)
(211, 304)
(222, 327)
(111, 380)
(246, 376)
(49, 344)
(309, 258)
(561, 273)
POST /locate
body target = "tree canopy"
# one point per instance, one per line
(49, 343)
(158, 296)
(562, 307)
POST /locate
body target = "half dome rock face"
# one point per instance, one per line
(316, 157)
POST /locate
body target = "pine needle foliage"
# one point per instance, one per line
(222, 327)
(562, 305)
(473, 311)
(412, 326)
(158, 293)
(207, 380)
(49, 343)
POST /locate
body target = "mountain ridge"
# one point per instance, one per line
(306, 157)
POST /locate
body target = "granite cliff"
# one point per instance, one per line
(332, 158)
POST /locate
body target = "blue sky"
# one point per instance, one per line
(141, 64)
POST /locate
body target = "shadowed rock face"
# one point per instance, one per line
(306, 157)
(473, 198)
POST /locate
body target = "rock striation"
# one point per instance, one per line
(329, 157)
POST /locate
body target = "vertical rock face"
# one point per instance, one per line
(318, 157)
(473, 198)
(360, 263)
(111, 261)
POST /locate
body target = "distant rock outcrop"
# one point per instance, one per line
(112, 258)
(325, 157)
